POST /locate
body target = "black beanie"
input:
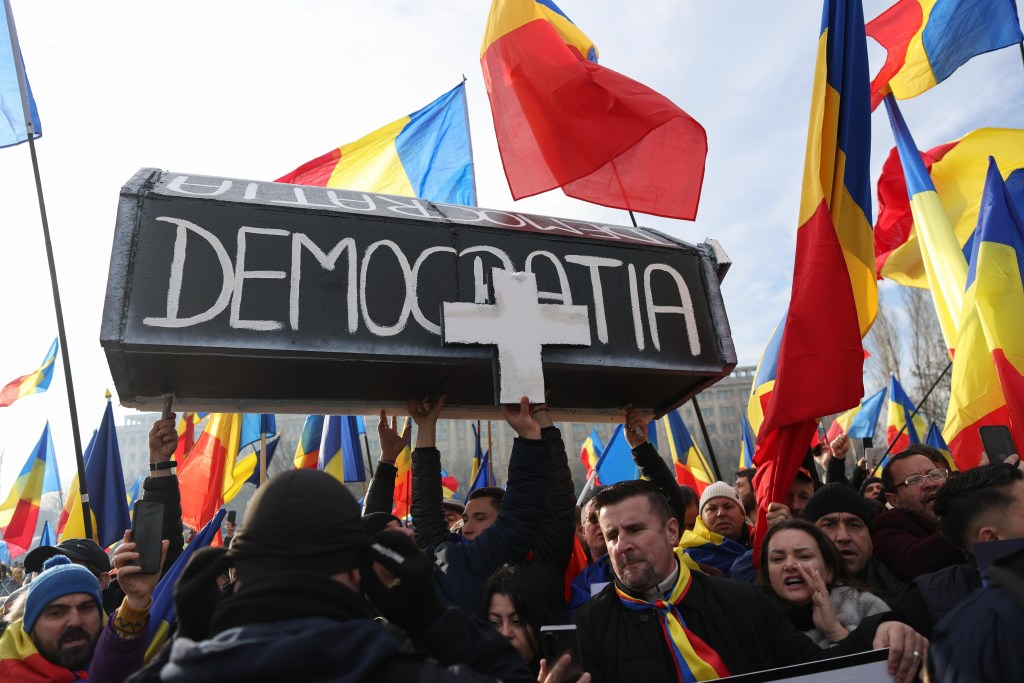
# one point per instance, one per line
(301, 520)
(836, 498)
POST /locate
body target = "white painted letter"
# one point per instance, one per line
(403, 317)
(594, 263)
(686, 309)
(417, 313)
(178, 268)
(327, 262)
(565, 295)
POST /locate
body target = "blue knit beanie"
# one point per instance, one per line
(58, 578)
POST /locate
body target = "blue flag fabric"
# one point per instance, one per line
(47, 537)
(105, 481)
(12, 112)
(864, 423)
(616, 462)
(272, 441)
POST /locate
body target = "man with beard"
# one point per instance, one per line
(907, 538)
(660, 621)
(55, 639)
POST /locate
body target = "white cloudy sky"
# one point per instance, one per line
(252, 88)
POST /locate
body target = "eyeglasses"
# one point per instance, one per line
(918, 479)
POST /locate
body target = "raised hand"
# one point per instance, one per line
(391, 442)
(635, 427)
(524, 424)
(137, 587)
(163, 439)
(425, 414)
(823, 613)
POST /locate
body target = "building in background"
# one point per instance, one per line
(722, 407)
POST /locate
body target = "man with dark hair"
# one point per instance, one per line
(843, 515)
(55, 639)
(482, 508)
(501, 527)
(981, 504)
(745, 489)
(907, 538)
(660, 621)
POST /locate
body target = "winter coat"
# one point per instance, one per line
(461, 568)
(748, 630)
(309, 628)
(910, 544)
(117, 658)
(932, 596)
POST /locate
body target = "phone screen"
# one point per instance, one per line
(147, 534)
(997, 442)
(558, 639)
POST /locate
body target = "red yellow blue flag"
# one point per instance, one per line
(341, 454)
(902, 417)
(820, 367)
(987, 385)
(935, 440)
(208, 473)
(403, 478)
(927, 40)
(426, 154)
(307, 454)
(862, 421)
(747, 441)
(957, 170)
(33, 383)
(564, 121)
(616, 462)
(20, 511)
(690, 466)
(591, 451)
(105, 483)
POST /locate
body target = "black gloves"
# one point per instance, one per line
(196, 593)
(406, 595)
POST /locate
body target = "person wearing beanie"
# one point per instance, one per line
(720, 536)
(844, 516)
(308, 588)
(55, 638)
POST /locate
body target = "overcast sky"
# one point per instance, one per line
(251, 89)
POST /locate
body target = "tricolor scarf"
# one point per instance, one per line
(694, 659)
(20, 661)
(707, 547)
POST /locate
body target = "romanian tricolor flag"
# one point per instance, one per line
(105, 484)
(341, 455)
(46, 537)
(705, 546)
(987, 386)
(904, 427)
(449, 485)
(426, 154)
(21, 662)
(927, 40)
(20, 512)
(32, 383)
(764, 380)
(747, 441)
(941, 254)
(208, 474)
(957, 170)
(564, 121)
(307, 454)
(161, 611)
(132, 494)
(819, 367)
(859, 422)
(403, 478)
(591, 451)
(691, 468)
(935, 440)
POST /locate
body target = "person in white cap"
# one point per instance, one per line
(720, 534)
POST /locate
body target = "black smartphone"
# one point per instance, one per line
(558, 639)
(998, 442)
(147, 534)
(230, 519)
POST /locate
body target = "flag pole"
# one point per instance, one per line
(369, 461)
(490, 456)
(263, 456)
(19, 68)
(707, 439)
(888, 447)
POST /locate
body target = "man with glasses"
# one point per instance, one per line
(907, 538)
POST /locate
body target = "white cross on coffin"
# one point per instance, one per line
(520, 327)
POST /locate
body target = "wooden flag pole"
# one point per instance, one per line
(707, 439)
(30, 129)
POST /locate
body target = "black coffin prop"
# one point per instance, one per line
(246, 296)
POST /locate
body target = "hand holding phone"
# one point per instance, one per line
(557, 640)
(147, 533)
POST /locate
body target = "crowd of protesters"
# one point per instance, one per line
(660, 584)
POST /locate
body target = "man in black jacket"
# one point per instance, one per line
(461, 567)
(630, 631)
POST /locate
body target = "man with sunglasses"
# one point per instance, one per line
(907, 538)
